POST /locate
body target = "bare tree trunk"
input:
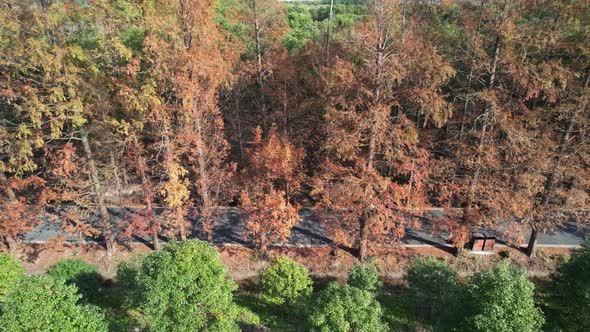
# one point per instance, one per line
(181, 225)
(116, 175)
(364, 239)
(377, 90)
(239, 122)
(259, 73)
(98, 194)
(204, 178)
(285, 114)
(328, 33)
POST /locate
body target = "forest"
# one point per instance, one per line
(367, 112)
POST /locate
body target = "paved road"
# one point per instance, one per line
(229, 230)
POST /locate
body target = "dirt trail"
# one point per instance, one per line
(243, 263)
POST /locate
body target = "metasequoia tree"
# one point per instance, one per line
(561, 159)
(375, 170)
(185, 48)
(265, 25)
(53, 73)
(273, 176)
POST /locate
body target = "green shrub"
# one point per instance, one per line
(41, 303)
(343, 308)
(285, 281)
(572, 285)
(435, 289)
(79, 273)
(365, 277)
(502, 300)
(11, 271)
(183, 287)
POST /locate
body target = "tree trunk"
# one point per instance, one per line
(239, 123)
(155, 239)
(259, 78)
(376, 90)
(10, 241)
(7, 189)
(204, 178)
(263, 247)
(364, 239)
(181, 226)
(116, 176)
(328, 33)
(532, 246)
(99, 196)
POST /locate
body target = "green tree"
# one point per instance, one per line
(502, 300)
(573, 290)
(285, 281)
(365, 277)
(343, 308)
(183, 287)
(41, 303)
(11, 271)
(79, 273)
(434, 287)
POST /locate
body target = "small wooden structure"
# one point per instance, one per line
(482, 241)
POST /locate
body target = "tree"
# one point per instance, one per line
(269, 217)
(11, 271)
(365, 277)
(285, 281)
(434, 287)
(41, 303)
(189, 68)
(274, 174)
(572, 289)
(265, 24)
(502, 300)
(183, 287)
(345, 308)
(78, 273)
(375, 170)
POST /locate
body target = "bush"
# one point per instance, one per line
(11, 271)
(502, 300)
(343, 308)
(41, 303)
(79, 273)
(573, 290)
(365, 277)
(285, 281)
(183, 287)
(434, 287)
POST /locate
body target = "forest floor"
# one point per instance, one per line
(323, 262)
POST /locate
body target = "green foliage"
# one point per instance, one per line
(343, 308)
(502, 300)
(434, 287)
(365, 277)
(285, 281)
(183, 287)
(11, 271)
(302, 28)
(572, 288)
(41, 303)
(79, 273)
